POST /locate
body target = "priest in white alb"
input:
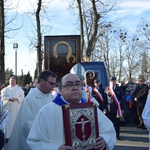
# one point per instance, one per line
(14, 96)
(47, 131)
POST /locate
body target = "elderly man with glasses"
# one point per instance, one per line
(47, 131)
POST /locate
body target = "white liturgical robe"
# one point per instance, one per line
(3, 117)
(33, 102)
(47, 131)
(146, 116)
(13, 107)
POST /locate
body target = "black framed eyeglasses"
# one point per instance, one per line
(51, 83)
(71, 85)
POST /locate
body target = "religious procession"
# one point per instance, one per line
(85, 110)
(87, 85)
(71, 105)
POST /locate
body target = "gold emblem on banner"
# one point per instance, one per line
(69, 54)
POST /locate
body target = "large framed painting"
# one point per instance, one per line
(80, 125)
(61, 53)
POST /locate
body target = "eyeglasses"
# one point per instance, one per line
(71, 85)
(51, 83)
(141, 80)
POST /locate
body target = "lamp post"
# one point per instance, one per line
(15, 46)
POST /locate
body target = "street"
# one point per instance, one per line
(132, 138)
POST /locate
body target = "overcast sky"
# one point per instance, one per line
(131, 10)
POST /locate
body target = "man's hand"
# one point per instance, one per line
(135, 99)
(13, 99)
(123, 112)
(100, 143)
(105, 111)
(63, 147)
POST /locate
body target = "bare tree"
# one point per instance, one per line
(112, 46)
(118, 52)
(121, 51)
(143, 31)
(132, 58)
(81, 25)
(92, 15)
(6, 31)
(104, 42)
(145, 66)
(39, 38)
(38, 29)
(2, 50)
(94, 30)
(104, 47)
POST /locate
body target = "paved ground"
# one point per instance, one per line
(133, 138)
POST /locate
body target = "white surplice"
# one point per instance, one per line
(47, 131)
(146, 116)
(13, 107)
(33, 102)
(3, 117)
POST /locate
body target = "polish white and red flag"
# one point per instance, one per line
(113, 95)
(98, 94)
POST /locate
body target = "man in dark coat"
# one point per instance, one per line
(114, 105)
(140, 96)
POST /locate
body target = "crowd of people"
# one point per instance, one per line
(33, 116)
(122, 103)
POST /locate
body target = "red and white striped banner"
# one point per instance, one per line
(98, 94)
(113, 95)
